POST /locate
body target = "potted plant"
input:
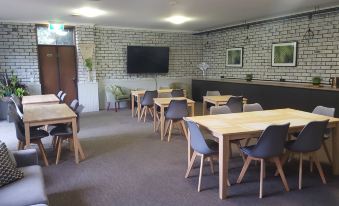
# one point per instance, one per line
(89, 64)
(249, 77)
(316, 81)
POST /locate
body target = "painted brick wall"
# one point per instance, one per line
(18, 51)
(318, 57)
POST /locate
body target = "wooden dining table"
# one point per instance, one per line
(40, 99)
(140, 93)
(164, 103)
(227, 127)
(217, 101)
(46, 114)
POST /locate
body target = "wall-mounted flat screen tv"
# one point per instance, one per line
(146, 59)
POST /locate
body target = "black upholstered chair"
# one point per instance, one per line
(62, 98)
(177, 93)
(74, 104)
(64, 131)
(309, 142)
(177, 110)
(235, 104)
(269, 147)
(205, 148)
(35, 134)
(16, 100)
(59, 94)
(147, 103)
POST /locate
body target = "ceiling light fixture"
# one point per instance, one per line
(178, 19)
(88, 12)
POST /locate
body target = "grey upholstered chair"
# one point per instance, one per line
(220, 110)
(308, 142)
(252, 107)
(177, 93)
(326, 111)
(235, 104)
(269, 146)
(213, 93)
(74, 104)
(205, 148)
(177, 110)
(147, 103)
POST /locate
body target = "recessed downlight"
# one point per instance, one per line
(178, 19)
(88, 12)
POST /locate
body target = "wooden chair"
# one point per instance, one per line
(269, 147)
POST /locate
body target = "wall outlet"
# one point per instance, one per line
(222, 77)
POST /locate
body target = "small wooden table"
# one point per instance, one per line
(163, 103)
(245, 125)
(139, 93)
(35, 115)
(40, 99)
(217, 101)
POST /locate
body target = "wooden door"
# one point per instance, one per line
(58, 70)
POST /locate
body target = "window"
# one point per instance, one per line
(48, 37)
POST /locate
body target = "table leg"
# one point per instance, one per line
(139, 107)
(75, 139)
(162, 122)
(27, 135)
(154, 117)
(189, 148)
(335, 150)
(204, 107)
(223, 166)
(192, 110)
(132, 102)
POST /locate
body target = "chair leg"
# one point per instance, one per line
(191, 164)
(54, 142)
(108, 105)
(300, 170)
(247, 141)
(115, 107)
(241, 153)
(281, 172)
(211, 164)
(183, 126)
(200, 172)
(244, 169)
(145, 113)
(170, 130)
(262, 174)
(282, 162)
(327, 152)
(19, 145)
(81, 151)
(167, 127)
(43, 152)
(320, 170)
(58, 150)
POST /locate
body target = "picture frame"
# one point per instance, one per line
(284, 54)
(234, 57)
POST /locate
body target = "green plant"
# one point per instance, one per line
(316, 80)
(249, 77)
(89, 63)
(20, 92)
(11, 85)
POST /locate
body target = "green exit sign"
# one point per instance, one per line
(56, 27)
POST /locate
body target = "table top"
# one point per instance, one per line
(36, 99)
(256, 122)
(222, 98)
(40, 113)
(142, 92)
(166, 101)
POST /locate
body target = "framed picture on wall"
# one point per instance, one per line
(234, 57)
(284, 54)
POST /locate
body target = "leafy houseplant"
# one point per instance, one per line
(316, 81)
(249, 77)
(11, 85)
(89, 63)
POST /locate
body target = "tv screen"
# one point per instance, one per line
(145, 59)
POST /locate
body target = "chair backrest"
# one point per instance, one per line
(18, 111)
(252, 107)
(311, 136)
(164, 95)
(74, 104)
(63, 96)
(59, 94)
(198, 142)
(213, 93)
(177, 109)
(18, 123)
(78, 111)
(177, 93)
(271, 142)
(235, 104)
(15, 99)
(147, 100)
(220, 110)
(326, 111)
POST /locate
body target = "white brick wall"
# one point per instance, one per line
(319, 57)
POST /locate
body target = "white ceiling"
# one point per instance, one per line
(150, 14)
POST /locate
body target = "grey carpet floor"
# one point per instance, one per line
(127, 164)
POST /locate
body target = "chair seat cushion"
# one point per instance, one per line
(38, 133)
(62, 130)
(26, 191)
(122, 97)
(248, 150)
(213, 145)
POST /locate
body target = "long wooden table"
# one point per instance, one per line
(140, 93)
(217, 101)
(163, 103)
(35, 115)
(245, 125)
(40, 99)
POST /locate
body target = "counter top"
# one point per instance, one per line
(275, 83)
